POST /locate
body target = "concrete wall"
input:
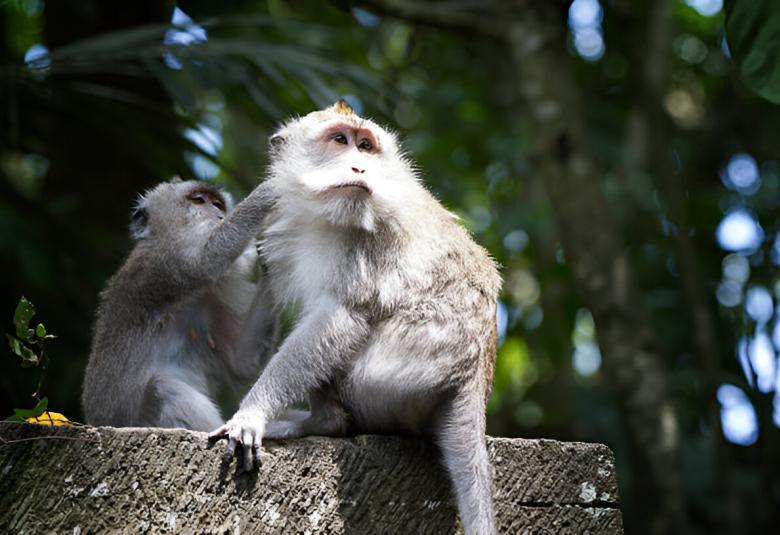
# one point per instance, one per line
(80, 480)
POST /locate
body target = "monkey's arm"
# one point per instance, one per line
(228, 240)
(323, 342)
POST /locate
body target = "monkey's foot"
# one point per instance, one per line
(278, 429)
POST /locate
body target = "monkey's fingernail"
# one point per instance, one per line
(230, 450)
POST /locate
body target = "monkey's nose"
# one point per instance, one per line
(358, 171)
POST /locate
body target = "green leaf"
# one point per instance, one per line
(36, 411)
(40, 331)
(753, 35)
(22, 316)
(14, 418)
(28, 356)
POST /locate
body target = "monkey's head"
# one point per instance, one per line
(171, 206)
(335, 165)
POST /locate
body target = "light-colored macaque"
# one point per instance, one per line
(398, 325)
(169, 333)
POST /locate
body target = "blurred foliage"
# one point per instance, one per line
(754, 38)
(120, 99)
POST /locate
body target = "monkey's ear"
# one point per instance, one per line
(277, 141)
(139, 223)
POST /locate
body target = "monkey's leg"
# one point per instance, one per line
(461, 436)
(174, 402)
(288, 425)
(327, 418)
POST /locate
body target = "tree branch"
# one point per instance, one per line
(438, 15)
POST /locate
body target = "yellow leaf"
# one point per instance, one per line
(49, 418)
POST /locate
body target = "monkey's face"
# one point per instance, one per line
(341, 167)
(171, 206)
(206, 202)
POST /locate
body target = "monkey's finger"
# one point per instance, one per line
(218, 434)
(230, 449)
(256, 453)
(248, 442)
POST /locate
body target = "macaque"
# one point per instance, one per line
(169, 332)
(397, 331)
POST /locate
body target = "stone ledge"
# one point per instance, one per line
(85, 479)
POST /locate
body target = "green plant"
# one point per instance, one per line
(29, 344)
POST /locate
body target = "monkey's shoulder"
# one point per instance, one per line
(146, 282)
(461, 249)
(463, 263)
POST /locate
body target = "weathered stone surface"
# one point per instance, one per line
(82, 480)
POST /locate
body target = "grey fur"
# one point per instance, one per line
(398, 329)
(169, 329)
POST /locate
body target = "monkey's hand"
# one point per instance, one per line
(245, 428)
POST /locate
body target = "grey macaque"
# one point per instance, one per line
(184, 316)
(398, 325)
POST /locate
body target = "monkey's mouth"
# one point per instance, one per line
(356, 186)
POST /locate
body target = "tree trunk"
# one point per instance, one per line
(599, 263)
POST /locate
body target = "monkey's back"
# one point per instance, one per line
(124, 327)
(142, 312)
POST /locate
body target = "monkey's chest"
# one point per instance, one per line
(320, 262)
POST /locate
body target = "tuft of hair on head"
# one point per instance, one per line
(342, 108)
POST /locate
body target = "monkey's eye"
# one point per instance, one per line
(341, 139)
(219, 204)
(365, 145)
(197, 197)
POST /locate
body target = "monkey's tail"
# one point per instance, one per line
(461, 437)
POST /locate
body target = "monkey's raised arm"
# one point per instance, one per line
(321, 343)
(229, 239)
